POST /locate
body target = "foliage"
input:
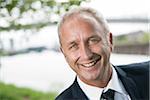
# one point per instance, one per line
(142, 38)
(120, 40)
(146, 37)
(14, 13)
(11, 92)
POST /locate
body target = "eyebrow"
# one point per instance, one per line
(71, 43)
(94, 36)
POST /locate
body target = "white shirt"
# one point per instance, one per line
(94, 93)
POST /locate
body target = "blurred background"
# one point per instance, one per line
(30, 59)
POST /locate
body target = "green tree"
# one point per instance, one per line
(32, 14)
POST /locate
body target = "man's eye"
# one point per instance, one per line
(73, 47)
(94, 41)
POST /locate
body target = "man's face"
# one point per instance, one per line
(86, 49)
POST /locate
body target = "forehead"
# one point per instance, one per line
(83, 17)
(80, 23)
(79, 28)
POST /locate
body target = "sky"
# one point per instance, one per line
(121, 8)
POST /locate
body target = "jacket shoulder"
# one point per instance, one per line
(65, 95)
(136, 68)
(139, 73)
(74, 92)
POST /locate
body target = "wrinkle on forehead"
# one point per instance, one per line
(77, 28)
(87, 17)
(77, 19)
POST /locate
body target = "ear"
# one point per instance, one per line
(111, 41)
(111, 38)
(61, 49)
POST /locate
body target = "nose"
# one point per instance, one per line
(85, 52)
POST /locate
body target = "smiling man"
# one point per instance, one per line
(86, 43)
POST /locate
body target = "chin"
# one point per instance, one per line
(89, 77)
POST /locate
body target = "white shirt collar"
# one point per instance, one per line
(115, 83)
(94, 93)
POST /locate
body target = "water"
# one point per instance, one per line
(48, 70)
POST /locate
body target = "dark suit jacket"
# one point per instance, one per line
(135, 78)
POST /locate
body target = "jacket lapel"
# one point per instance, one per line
(128, 83)
(77, 92)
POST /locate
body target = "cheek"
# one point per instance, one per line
(101, 49)
(72, 61)
(106, 54)
(72, 58)
(97, 48)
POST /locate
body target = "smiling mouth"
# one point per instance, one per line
(91, 64)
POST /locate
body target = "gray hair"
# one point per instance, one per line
(87, 13)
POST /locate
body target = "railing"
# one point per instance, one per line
(133, 49)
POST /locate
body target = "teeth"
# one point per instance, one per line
(89, 64)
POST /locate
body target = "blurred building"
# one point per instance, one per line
(132, 43)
